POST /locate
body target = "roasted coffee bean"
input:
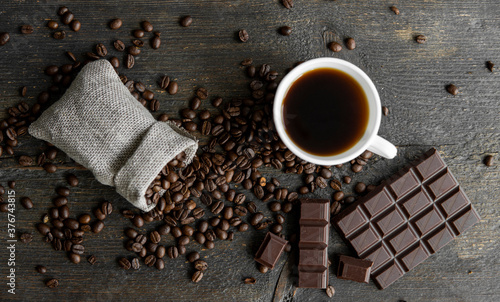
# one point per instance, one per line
(101, 50)
(197, 276)
(275, 206)
(256, 218)
(203, 226)
(287, 3)
(259, 192)
(155, 237)
(160, 264)
(52, 24)
(335, 47)
(490, 66)
(385, 111)
(115, 23)
(360, 188)
(243, 35)
(287, 207)
(4, 207)
(217, 102)
(421, 39)
(97, 226)
(63, 191)
(395, 10)
(202, 93)
(193, 256)
(26, 203)
(350, 43)
(78, 249)
(50, 168)
(119, 45)
(200, 265)
(150, 260)
(131, 233)
(71, 224)
(155, 42)
(280, 218)
(356, 168)
(243, 227)
(489, 160)
(138, 33)
(135, 264)
(173, 88)
(200, 238)
(452, 89)
(4, 38)
(138, 42)
(75, 25)
(335, 208)
(186, 21)
(41, 269)
(321, 182)
(330, 291)
(147, 26)
(129, 61)
(285, 30)
(52, 283)
(67, 17)
(172, 252)
(99, 214)
(276, 228)
(263, 269)
(59, 35)
(133, 50)
(72, 180)
(160, 252)
(252, 208)
(26, 29)
(338, 196)
(26, 237)
(124, 263)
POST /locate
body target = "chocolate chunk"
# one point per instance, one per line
(354, 269)
(409, 217)
(270, 250)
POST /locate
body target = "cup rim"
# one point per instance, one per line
(286, 83)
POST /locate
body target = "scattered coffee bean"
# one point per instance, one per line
(385, 111)
(26, 203)
(124, 263)
(155, 42)
(26, 29)
(119, 45)
(335, 47)
(115, 23)
(11, 184)
(421, 39)
(173, 88)
(243, 35)
(25, 161)
(52, 24)
(287, 3)
(92, 259)
(197, 276)
(50, 168)
(489, 160)
(285, 30)
(59, 35)
(147, 26)
(249, 281)
(350, 43)
(4, 38)
(452, 89)
(193, 256)
(263, 269)
(26, 237)
(72, 180)
(330, 291)
(41, 269)
(101, 50)
(186, 21)
(129, 61)
(75, 25)
(490, 65)
(395, 10)
(135, 264)
(52, 283)
(67, 17)
(360, 188)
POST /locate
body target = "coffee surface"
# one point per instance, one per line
(325, 112)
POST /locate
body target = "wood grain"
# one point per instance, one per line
(462, 36)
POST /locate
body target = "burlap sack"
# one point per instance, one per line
(103, 127)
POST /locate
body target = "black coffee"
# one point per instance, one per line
(325, 112)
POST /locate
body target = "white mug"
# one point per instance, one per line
(369, 141)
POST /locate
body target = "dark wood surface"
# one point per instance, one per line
(462, 36)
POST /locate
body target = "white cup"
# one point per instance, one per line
(369, 141)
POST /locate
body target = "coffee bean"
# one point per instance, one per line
(385, 111)
(335, 47)
(135, 264)
(197, 276)
(338, 196)
(52, 24)
(490, 66)
(263, 269)
(4, 38)
(202, 93)
(134, 50)
(172, 252)
(489, 160)
(129, 61)
(41, 269)
(173, 88)
(330, 291)
(4, 207)
(101, 50)
(155, 42)
(193, 256)
(147, 26)
(97, 226)
(243, 35)
(67, 17)
(25, 161)
(395, 10)
(350, 43)
(287, 3)
(356, 168)
(200, 265)
(124, 263)
(285, 30)
(256, 218)
(119, 45)
(72, 180)
(155, 237)
(26, 203)
(186, 21)
(52, 283)
(115, 23)
(26, 29)
(452, 89)
(75, 25)
(249, 281)
(421, 39)
(59, 35)
(50, 168)
(150, 260)
(26, 237)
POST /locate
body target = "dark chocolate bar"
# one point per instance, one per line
(313, 243)
(354, 269)
(407, 218)
(270, 250)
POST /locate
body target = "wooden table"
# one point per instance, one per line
(411, 78)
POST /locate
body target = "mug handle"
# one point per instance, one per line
(383, 147)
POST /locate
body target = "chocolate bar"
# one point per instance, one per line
(354, 269)
(313, 243)
(270, 250)
(407, 218)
